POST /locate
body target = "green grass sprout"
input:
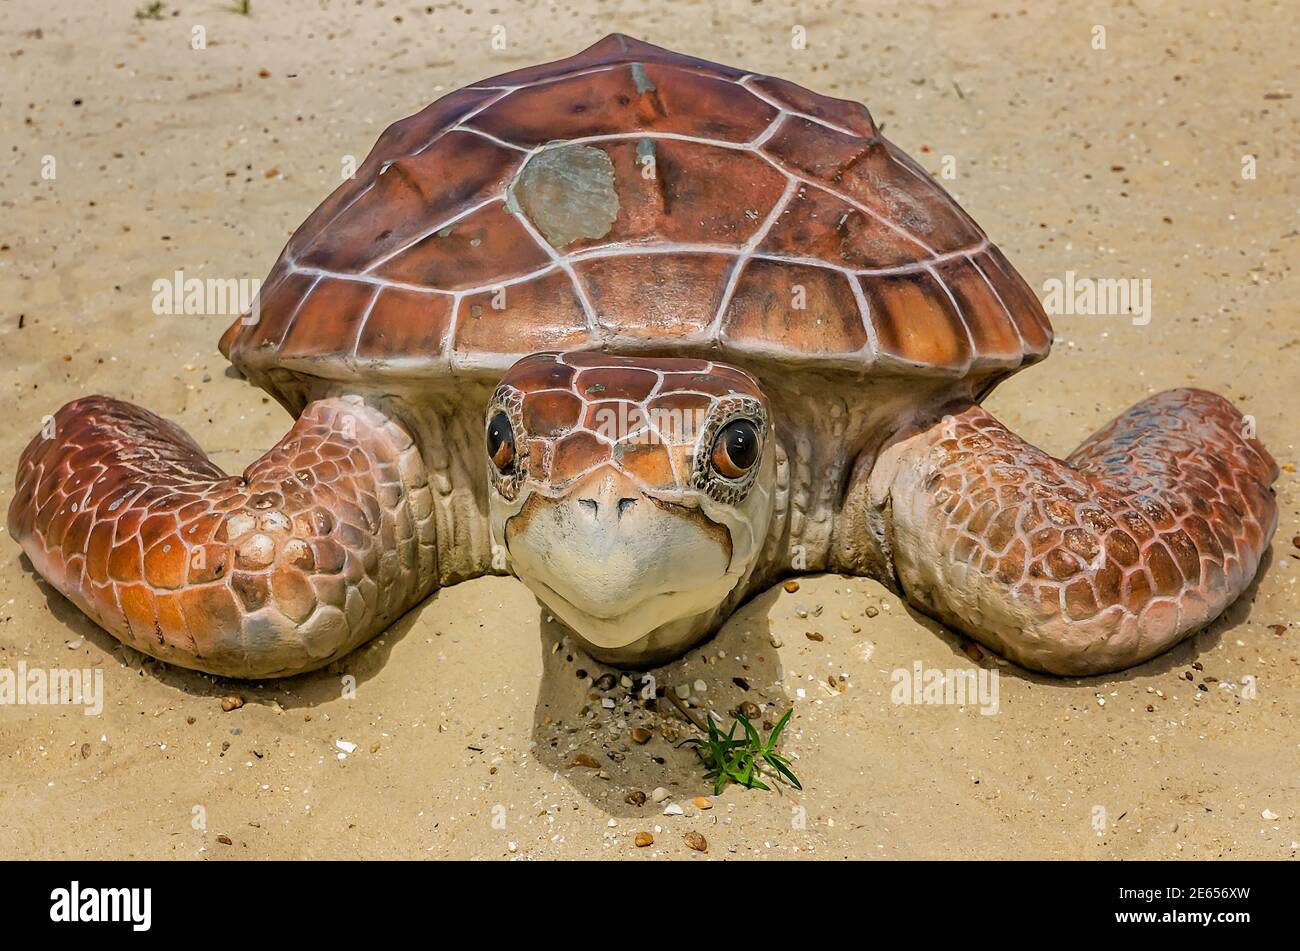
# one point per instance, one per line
(733, 759)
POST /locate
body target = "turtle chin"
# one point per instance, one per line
(637, 579)
(640, 636)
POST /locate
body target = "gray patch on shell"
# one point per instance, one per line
(567, 193)
(643, 83)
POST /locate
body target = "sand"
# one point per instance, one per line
(1123, 162)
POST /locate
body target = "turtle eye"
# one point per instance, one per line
(736, 449)
(501, 442)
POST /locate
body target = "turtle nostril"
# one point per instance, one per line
(624, 505)
(591, 504)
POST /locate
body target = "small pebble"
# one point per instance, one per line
(233, 702)
(659, 794)
(643, 839)
(641, 736)
(700, 802)
(696, 841)
(791, 586)
(635, 798)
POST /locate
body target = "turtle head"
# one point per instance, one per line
(631, 495)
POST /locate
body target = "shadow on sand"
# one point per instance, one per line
(576, 734)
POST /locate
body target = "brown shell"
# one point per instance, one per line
(634, 200)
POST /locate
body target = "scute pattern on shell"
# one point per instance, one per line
(777, 222)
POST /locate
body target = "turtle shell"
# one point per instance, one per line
(634, 200)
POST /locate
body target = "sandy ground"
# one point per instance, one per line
(1122, 162)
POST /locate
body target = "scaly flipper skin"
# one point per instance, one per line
(1144, 534)
(315, 549)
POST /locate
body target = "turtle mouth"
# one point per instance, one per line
(605, 609)
(657, 613)
(616, 565)
(613, 591)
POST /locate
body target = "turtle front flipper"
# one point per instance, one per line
(321, 544)
(1144, 534)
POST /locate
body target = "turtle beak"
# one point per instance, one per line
(614, 562)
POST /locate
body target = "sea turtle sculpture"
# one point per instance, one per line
(651, 334)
